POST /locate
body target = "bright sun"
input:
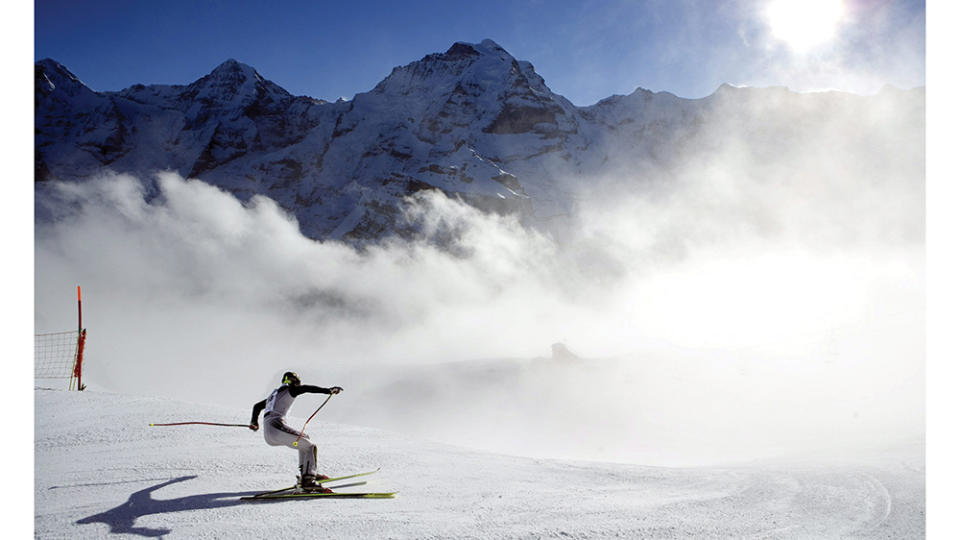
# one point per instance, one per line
(804, 24)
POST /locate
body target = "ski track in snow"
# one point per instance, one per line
(100, 471)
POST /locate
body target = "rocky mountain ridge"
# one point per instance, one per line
(473, 122)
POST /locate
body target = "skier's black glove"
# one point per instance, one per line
(254, 427)
(336, 390)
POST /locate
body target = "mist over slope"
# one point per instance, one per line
(196, 294)
(742, 275)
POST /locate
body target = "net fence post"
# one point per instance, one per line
(77, 371)
(59, 355)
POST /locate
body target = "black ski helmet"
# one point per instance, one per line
(291, 378)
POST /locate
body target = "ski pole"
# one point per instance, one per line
(201, 424)
(309, 419)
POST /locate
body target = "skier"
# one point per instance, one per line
(277, 433)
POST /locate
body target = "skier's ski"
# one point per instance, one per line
(352, 484)
(347, 477)
(309, 495)
(281, 490)
(325, 481)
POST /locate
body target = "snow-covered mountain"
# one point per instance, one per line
(473, 122)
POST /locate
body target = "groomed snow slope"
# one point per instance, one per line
(101, 472)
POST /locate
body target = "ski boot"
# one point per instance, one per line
(310, 484)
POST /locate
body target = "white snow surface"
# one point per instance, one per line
(102, 472)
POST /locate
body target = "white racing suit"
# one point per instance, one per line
(276, 431)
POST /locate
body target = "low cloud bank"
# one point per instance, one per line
(750, 316)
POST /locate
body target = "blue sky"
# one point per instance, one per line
(585, 50)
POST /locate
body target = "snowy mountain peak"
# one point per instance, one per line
(471, 68)
(461, 50)
(492, 45)
(232, 69)
(55, 70)
(51, 75)
(59, 90)
(485, 47)
(234, 85)
(231, 75)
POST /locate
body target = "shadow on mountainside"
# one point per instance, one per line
(122, 519)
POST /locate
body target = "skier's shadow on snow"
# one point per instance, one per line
(123, 518)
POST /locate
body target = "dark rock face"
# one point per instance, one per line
(460, 50)
(515, 119)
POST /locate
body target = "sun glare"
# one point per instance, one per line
(804, 24)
